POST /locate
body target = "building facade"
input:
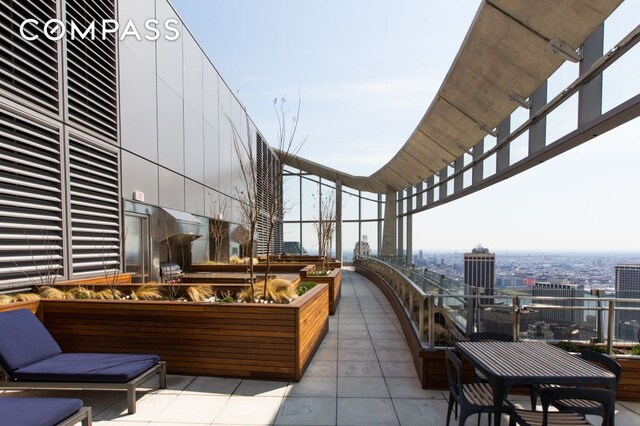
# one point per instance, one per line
(560, 290)
(101, 131)
(627, 283)
(480, 269)
(362, 248)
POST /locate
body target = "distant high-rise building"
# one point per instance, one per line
(480, 269)
(560, 289)
(627, 287)
(362, 248)
(506, 282)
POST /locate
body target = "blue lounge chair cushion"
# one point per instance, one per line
(37, 411)
(87, 368)
(24, 340)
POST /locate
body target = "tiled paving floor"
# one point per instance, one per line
(361, 375)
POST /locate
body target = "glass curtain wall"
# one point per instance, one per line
(305, 195)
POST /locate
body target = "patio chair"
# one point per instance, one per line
(472, 398)
(488, 336)
(550, 396)
(31, 359)
(43, 412)
(581, 406)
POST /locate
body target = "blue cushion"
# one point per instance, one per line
(37, 411)
(92, 368)
(24, 340)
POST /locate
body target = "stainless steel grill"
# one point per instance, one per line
(170, 271)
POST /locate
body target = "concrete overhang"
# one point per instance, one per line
(504, 51)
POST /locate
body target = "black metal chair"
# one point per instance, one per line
(488, 336)
(471, 398)
(581, 406)
(554, 395)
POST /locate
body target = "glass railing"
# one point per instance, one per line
(444, 310)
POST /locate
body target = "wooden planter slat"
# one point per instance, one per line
(234, 340)
(122, 278)
(334, 279)
(32, 306)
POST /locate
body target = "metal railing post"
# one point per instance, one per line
(410, 303)
(516, 318)
(610, 335)
(600, 316)
(421, 319)
(471, 305)
(432, 334)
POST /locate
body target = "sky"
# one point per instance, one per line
(366, 73)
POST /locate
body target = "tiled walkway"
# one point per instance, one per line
(361, 375)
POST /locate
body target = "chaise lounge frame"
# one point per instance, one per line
(83, 415)
(160, 368)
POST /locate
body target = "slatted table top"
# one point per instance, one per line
(532, 362)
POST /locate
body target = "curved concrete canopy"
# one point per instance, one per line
(504, 51)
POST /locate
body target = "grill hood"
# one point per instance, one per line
(177, 226)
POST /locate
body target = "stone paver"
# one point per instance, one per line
(362, 374)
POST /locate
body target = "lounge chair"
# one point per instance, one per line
(31, 359)
(43, 412)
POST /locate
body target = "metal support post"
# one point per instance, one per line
(610, 335)
(421, 319)
(600, 317)
(516, 319)
(471, 308)
(432, 334)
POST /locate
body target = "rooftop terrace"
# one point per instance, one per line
(361, 375)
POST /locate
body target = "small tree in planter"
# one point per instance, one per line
(325, 224)
(46, 259)
(246, 192)
(218, 228)
(273, 174)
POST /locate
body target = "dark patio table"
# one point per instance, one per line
(508, 364)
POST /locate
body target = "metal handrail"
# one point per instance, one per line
(409, 293)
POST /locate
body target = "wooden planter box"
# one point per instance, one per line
(302, 259)
(434, 371)
(249, 340)
(334, 279)
(283, 267)
(32, 306)
(123, 278)
(629, 387)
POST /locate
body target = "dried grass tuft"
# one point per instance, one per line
(81, 293)
(27, 297)
(107, 294)
(53, 293)
(147, 292)
(199, 293)
(278, 291)
(5, 299)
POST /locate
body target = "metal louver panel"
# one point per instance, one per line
(269, 191)
(28, 69)
(31, 238)
(94, 207)
(261, 243)
(91, 64)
